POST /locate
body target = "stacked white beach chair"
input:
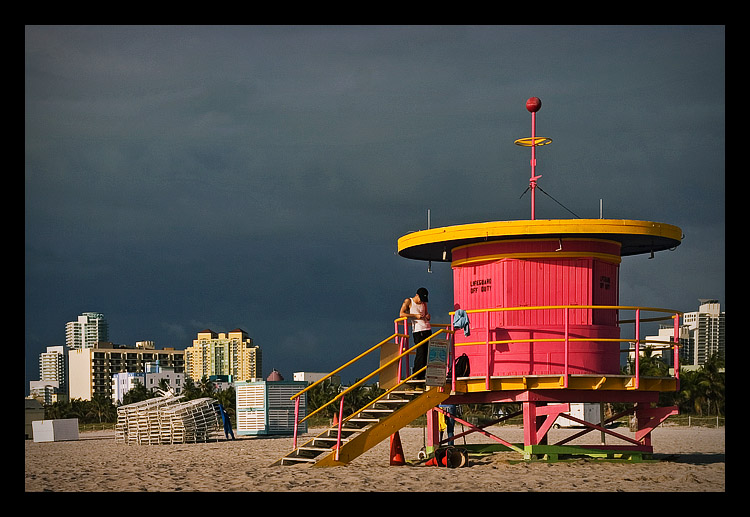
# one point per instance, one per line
(135, 421)
(192, 421)
(168, 420)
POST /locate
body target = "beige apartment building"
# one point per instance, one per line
(225, 353)
(91, 369)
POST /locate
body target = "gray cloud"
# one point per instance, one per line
(259, 177)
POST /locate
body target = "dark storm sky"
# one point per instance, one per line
(181, 178)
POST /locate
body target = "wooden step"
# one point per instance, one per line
(376, 411)
(396, 402)
(363, 420)
(412, 392)
(313, 449)
(288, 460)
(332, 439)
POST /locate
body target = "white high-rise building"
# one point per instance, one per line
(89, 329)
(706, 327)
(52, 364)
(52, 385)
(666, 335)
(701, 335)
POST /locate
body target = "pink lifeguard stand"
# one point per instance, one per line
(542, 298)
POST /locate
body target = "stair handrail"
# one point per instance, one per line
(334, 372)
(343, 419)
(296, 396)
(370, 403)
(386, 393)
(375, 372)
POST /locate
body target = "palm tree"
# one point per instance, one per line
(137, 393)
(702, 389)
(354, 400)
(227, 399)
(357, 398)
(101, 408)
(164, 384)
(57, 410)
(190, 391)
(320, 394)
(77, 409)
(650, 365)
(206, 387)
(712, 381)
(692, 389)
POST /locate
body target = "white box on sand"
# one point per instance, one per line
(61, 430)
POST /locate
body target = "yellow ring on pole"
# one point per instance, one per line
(530, 142)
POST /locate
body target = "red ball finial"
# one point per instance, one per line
(533, 104)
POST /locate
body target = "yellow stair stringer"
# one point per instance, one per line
(372, 436)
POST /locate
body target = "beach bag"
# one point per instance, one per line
(451, 457)
(462, 367)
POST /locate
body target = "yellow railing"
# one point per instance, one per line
(340, 396)
(401, 338)
(674, 345)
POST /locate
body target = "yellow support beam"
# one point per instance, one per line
(386, 427)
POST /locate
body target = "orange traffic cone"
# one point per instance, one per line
(335, 420)
(397, 453)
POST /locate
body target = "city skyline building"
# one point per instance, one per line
(52, 385)
(86, 331)
(701, 335)
(53, 365)
(150, 378)
(230, 353)
(707, 330)
(91, 369)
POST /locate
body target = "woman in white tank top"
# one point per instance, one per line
(415, 309)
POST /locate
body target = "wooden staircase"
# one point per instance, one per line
(367, 428)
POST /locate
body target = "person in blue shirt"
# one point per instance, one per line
(449, 421)
(227, 422)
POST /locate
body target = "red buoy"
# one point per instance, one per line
(533, 104)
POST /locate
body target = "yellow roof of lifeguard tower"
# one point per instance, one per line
(635, 237)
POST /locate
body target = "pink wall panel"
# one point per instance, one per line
(605, 292)
(529, 283)
(498, 275)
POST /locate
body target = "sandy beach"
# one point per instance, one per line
(690, 459)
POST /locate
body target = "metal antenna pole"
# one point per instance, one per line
(532, 180)
(533, 105)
